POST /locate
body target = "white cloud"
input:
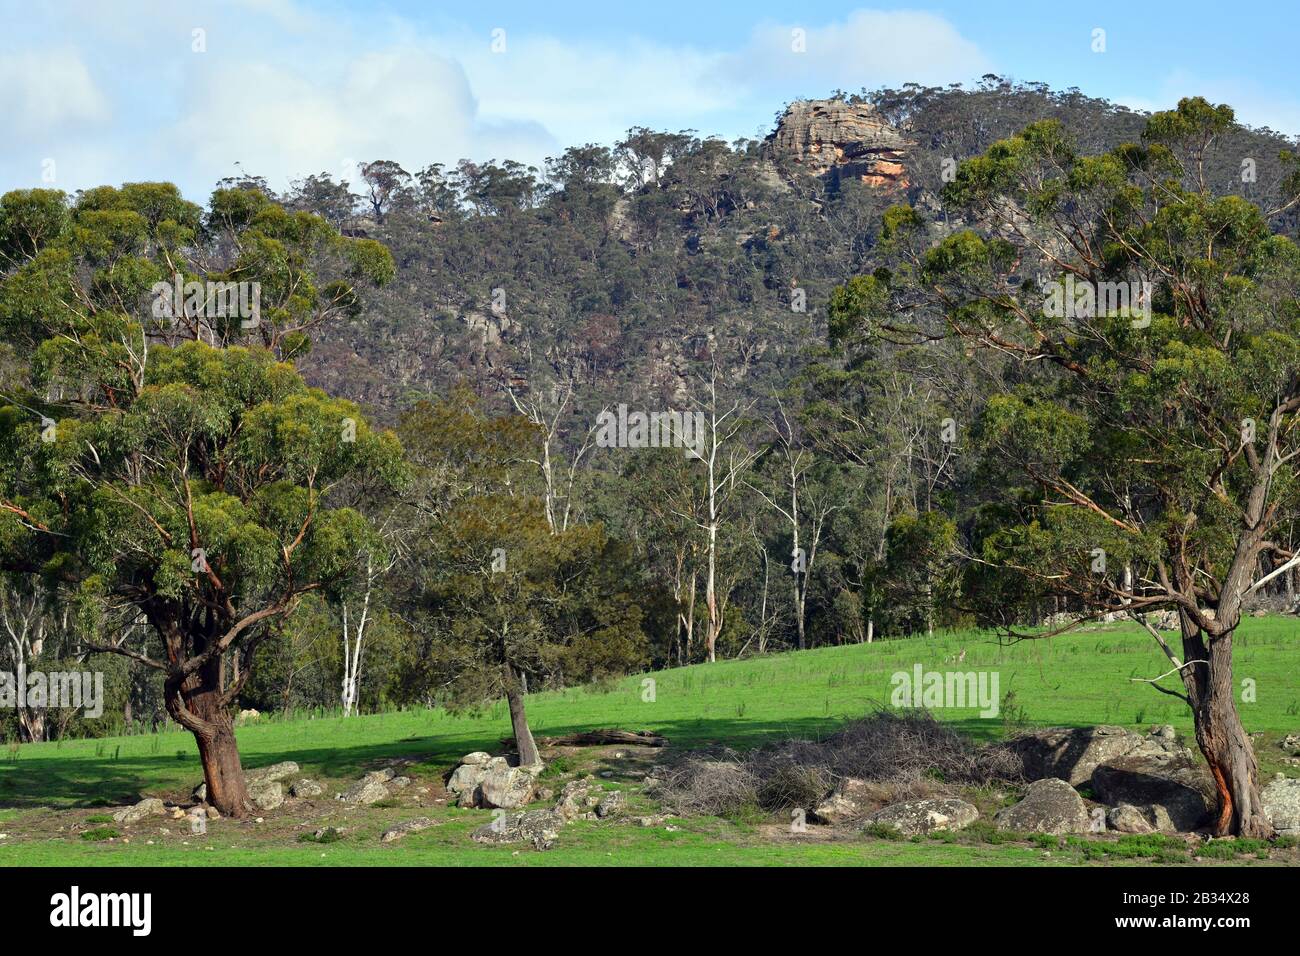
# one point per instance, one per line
(44, 92)
(1254, 105)
(869, 48)
(285, 91)
(285, 121)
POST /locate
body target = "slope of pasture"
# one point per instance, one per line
(1078, 679)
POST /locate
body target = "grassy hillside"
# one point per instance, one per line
(1079, 679)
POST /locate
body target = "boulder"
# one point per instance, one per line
(464, 783)
(305, 788)
(1290, 743)
(851, 799)
(610, 804)
(148, 807)
(1281, 799)
(541, 828)
(266, 794)
(507, 788)
(1127, 818)
(1176, 793)
(476, 758)
(369, 789)
(917, 817)
(272, 774)
(1073, 753)
(1050, 805)
(402, 829)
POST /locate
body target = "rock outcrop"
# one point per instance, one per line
(1173, 793)
(538, 827)
(852, 139)
(1073, 753)
(490, 782)
(392, 834)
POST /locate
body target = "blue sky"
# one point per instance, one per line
(94, 92)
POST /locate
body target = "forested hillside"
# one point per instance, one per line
(831, 491)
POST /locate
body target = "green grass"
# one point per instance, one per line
(1080, 679)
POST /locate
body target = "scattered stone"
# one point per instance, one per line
(305, 788)
(918, 817)
(654, 820)
(178, 813)
(213, 813)
(610, 804)
(476, 758)
(1281, 799)
(402, 829)
(398, 783)
(1050, 805)
(252, 778)
(1290, 742)
(148, 807)
(1127, 818)
(541, 828)
(578, 801)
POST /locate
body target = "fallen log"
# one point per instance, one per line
(598, 738)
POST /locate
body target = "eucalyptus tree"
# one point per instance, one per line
(1145, 444)
(161, 459)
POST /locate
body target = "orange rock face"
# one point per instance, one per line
(822, 135)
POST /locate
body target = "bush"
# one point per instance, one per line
(908, 752)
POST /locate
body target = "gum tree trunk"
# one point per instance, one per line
(524, 743)
(1222, 738)
(196, 704)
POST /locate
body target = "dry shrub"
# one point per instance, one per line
(909, 755)
(717, 786)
